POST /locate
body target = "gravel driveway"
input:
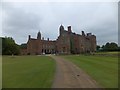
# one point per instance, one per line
(69, 75)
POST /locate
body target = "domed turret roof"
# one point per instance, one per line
(62, 27)
(39, 35)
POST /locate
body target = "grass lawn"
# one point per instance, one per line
(0, 72)
(103, 69)
(108, 53)
(27, 71)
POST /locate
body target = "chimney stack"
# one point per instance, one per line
(89, 34)
(83, 34)
(69, 29)
(29, 37)
(42, 38)
(48, 39)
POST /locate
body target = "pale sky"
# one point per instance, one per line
(23, 18)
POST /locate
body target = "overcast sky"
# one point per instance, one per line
(20, 19)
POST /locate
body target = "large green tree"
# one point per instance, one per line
(9, 46)
(97, 47)
(110, 46)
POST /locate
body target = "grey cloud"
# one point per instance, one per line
(28, 18)
(18, 23)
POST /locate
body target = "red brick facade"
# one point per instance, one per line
(66, 43)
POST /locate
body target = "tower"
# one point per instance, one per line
(61, 29)
(39, 35)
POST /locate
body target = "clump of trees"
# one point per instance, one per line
(9, 47)
(108, 47)
(23, 46)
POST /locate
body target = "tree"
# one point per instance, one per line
(119, 48)
(107, 46)
(110, 47)
(23, 46)
(9, 46)
(98, 48)
(113, 46)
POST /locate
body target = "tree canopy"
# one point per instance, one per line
(109, 47)
(23, 46)
(9, 46)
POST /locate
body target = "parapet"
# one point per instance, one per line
(89, 34)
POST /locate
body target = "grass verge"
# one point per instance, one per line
(27, 71)
(103, 69)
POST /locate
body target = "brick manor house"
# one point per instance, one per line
(66, 43)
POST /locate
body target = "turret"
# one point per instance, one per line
(39, 35)
(61, 29)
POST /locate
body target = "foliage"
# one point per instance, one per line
(98, 48)
(119, 48)
(9, 46)
(23, 46)
(108, 47)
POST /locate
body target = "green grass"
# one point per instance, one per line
(114, 52)
(103, 69)
(28, 71)
(0, 72)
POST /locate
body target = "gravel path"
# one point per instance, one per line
(69, 75)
